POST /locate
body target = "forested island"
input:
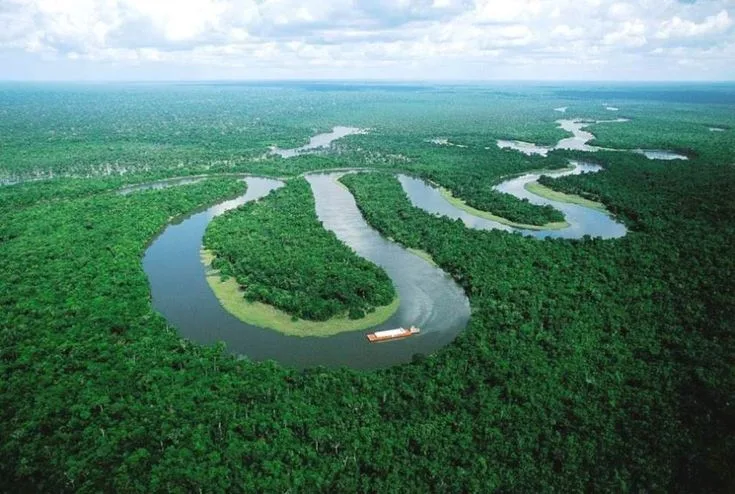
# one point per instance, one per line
(279, 254)
(587, 365)
(504, 207)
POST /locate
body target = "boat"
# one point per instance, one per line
(392, 334)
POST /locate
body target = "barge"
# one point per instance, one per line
(392, 334)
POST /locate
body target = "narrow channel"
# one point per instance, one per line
(582, 220)
(580, 142)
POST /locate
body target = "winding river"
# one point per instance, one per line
(429, 298)
(582, 220)
(318, 141)
(580, 139)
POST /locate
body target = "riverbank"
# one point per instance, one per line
(551, 194)
(230, 296)
(460, 204)
(421, 253)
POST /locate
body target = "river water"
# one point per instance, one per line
(429, 297)
(579, 142)
(318, 141)
(582, 220)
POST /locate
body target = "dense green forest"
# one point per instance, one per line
(635, 335)
(588, 365)
(469, 172)
(280, 254)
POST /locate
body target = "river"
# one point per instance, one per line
(582, 220)
(318, 141)
(580, 142)
(429, 297)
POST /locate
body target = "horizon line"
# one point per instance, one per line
(372, 81)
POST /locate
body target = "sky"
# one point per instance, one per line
(453, 40)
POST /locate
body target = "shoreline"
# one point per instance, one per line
(460, 204)
(423, 255)
(551, 194)
(259, 314)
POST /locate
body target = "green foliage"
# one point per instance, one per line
(595, 366)
(199, 128)
(469, 172)
(615, 336)
(680, 129)
(281, 255)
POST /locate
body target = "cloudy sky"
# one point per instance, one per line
(367, 39)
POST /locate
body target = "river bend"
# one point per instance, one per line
(429, 298)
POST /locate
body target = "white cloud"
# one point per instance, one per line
(621, 11)
(630, 34)
(286, 35)
(507, 10)
(178, 20)
(566, 32)
(679, 28)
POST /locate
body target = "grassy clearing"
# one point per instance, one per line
(460, 204)
(543, 191)
(230, 296)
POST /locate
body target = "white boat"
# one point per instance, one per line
(392, 334)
